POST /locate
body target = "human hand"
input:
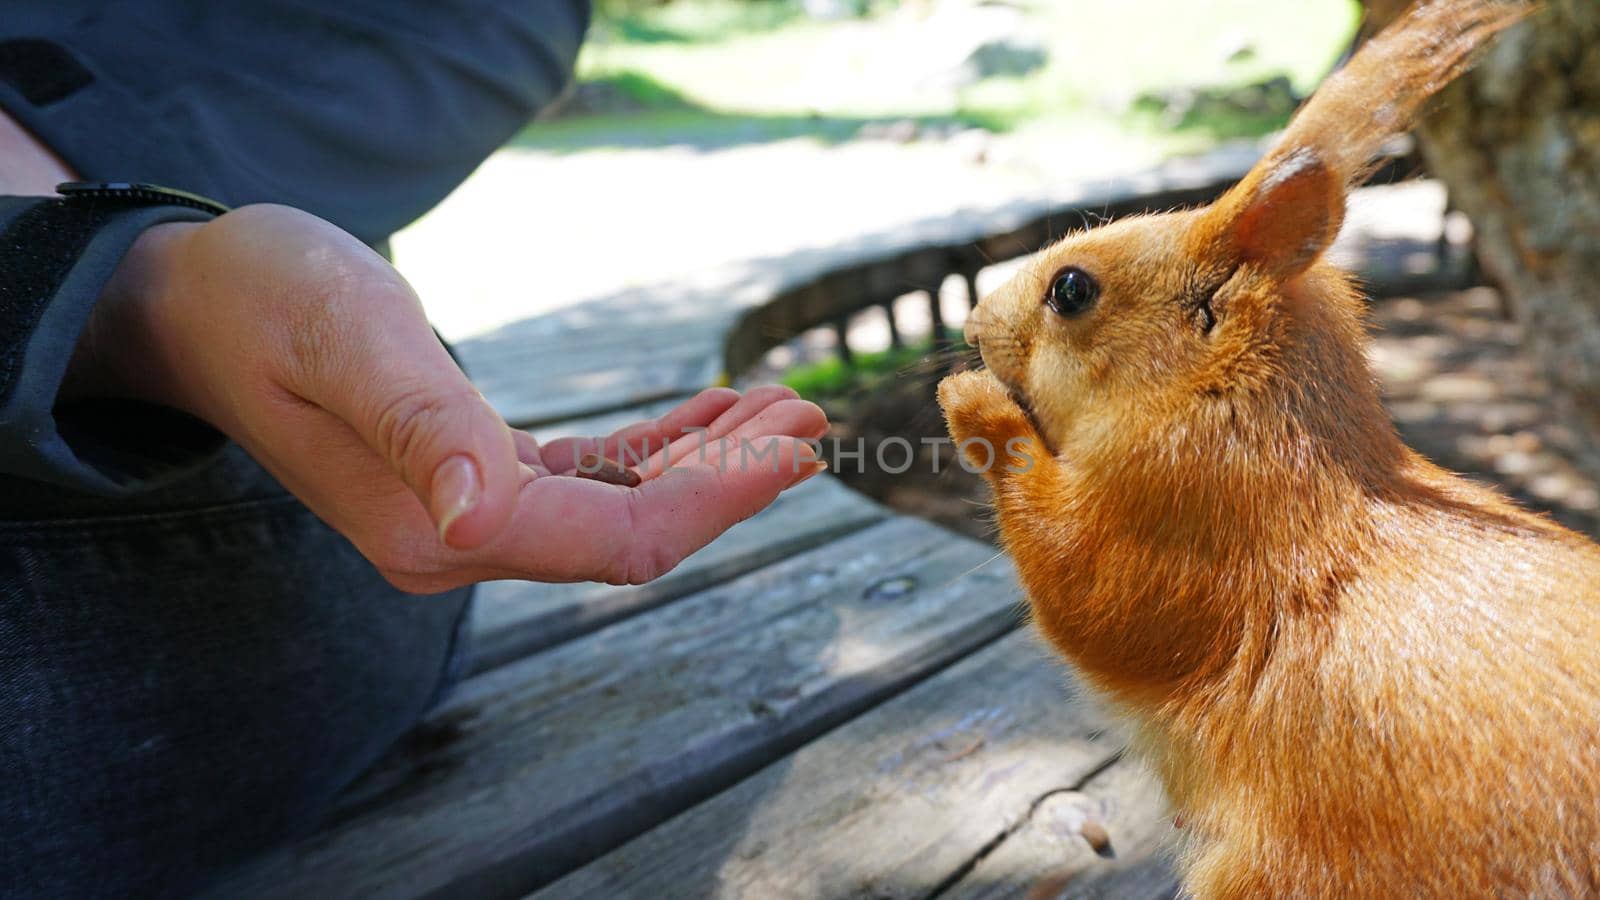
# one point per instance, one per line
(311, 352)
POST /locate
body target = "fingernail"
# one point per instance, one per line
(816, 467)
(457, 488)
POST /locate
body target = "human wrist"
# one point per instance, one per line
(125, 350)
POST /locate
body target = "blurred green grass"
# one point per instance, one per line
(833, 377)
(720, 72)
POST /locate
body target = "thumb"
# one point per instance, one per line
(398, 388)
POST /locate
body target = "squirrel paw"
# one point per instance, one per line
(982, 418)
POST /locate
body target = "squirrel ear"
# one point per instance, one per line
(1282, 216)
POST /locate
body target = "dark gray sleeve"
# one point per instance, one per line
(365, 113)
(56, 256)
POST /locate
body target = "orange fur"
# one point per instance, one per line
(1357, 674)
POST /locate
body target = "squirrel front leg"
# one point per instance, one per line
(1029, 485)
(997, 439)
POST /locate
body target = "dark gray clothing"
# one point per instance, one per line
(189, 677)
(190, 672)
(364, 112)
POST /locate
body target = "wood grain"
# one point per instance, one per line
(539, 766)
(512, 619)
(1047, 858)
(933, 792)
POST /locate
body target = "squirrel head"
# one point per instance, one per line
(1157, 311)
(1191, 317)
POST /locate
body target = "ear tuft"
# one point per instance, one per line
(1286, 215)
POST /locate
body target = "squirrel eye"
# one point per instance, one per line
(1073, 291)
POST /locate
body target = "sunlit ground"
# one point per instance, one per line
(724, 132)
(1058, 64)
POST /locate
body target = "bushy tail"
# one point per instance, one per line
(1378, 94)
(1289, 207)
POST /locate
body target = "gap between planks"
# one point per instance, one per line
(539, 766)
(997, 759)
(1028, 863)
(966, 868)
(513, 619)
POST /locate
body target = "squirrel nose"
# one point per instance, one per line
(970, 332)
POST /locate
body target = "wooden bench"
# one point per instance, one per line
(832, 700)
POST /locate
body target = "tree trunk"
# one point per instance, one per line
(1517, 142)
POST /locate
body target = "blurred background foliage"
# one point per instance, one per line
(1182, 73)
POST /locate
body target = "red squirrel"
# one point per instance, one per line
(1355, 673)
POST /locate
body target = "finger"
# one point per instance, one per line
(352, 488)
(528, 451)
(569, 529)
(639, 440)
(684, 509)
(749, 406)
(787, 417)
(355, 491)
(373, 362)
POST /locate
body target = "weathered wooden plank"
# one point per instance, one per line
(600, 355)
(530, 340)
(539, 364)
(602, 423)
(905, 801)
(536, 767)
(512, 619)
(1049, 858)
(544, 396)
